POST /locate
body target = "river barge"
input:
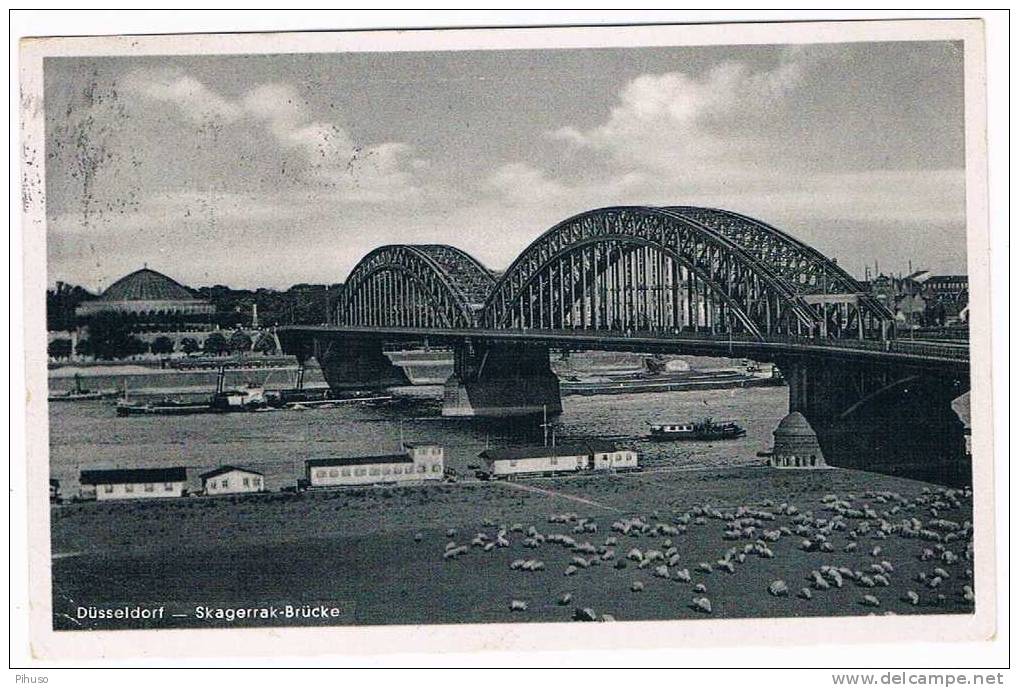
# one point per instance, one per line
(705, 431)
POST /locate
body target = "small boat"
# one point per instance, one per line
(166, 407)
(80, 393)
(248, 398)
(705, 430)
(241, 399)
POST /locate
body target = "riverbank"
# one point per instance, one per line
(379, 552)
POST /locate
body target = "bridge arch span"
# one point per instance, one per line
(679, 269)
(402, 285)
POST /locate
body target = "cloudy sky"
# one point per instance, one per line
(272, 170)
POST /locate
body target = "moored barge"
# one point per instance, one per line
(705, 431)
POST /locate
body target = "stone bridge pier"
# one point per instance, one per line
(348, 363)
(891, 419)
(498, 380)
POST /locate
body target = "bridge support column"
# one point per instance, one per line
(887, 419)
(347, 363)
(501, 380)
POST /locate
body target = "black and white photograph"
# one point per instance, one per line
(556, 328)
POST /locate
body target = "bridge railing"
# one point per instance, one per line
(912, 348)
(955, 352)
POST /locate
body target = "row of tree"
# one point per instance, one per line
(109, 344)
(302, 304)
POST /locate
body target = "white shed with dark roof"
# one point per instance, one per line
(232, 480)
(133, 483)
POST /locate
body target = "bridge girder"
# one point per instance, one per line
(429, 285)
(679, 268)
(627, 268)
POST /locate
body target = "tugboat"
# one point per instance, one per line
(249, 398)
(165, 407)
(705, 430)
(80, 393)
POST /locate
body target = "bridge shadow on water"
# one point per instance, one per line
(908, 436)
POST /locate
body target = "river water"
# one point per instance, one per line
(90, 435)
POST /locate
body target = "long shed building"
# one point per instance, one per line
(595, 455)
(133, 483)
(420, 461)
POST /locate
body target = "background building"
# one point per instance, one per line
(921, 299)
(147, 312)
(149, 301)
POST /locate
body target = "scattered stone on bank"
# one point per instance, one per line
(836, 578)
(702, 604)
(455, 552)
(870, 601)
(579, 562)
(533, 565)
(778, 588)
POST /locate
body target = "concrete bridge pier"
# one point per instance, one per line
(349, 363)
(500, 380)
(893, 420)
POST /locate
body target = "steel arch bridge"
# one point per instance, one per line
(415, 286)
(628, 269)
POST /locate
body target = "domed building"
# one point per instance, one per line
(151, 302)
(796, 444)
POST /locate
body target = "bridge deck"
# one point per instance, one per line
(949, 355)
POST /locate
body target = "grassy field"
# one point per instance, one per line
(379, 552)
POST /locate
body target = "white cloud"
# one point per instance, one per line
(321, 153)
(521, 182)
(729, 138)
(192, 99)
(663, 121)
